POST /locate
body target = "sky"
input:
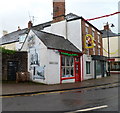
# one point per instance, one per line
(14, 13)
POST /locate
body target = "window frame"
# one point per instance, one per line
(88, 69)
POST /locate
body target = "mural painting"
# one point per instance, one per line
(34, 57)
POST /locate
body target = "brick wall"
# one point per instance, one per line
(90, 29)
(58, 10)
(21, 57)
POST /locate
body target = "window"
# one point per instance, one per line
(98, 38)
(86, 30)
(67, 66)
(22, 38)
(87, 67)
(87, 51)
(93, 34)
(98, 51)
(93, 50)
(115, 66)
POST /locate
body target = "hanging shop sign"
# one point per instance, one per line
(89, 41)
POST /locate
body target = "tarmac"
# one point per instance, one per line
(9, 89)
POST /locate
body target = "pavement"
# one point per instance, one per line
(9, 89)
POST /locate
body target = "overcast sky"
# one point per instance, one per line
(14, 13)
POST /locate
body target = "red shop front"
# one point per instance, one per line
(71, 66)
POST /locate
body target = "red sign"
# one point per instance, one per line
(111, 60)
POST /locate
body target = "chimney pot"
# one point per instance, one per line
(19, 28)
(30, 24)
(106, 27)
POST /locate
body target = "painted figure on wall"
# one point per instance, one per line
(34, 52)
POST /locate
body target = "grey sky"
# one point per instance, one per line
(14, 13)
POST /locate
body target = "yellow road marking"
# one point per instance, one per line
(53, 92)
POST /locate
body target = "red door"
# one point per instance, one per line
(77, 69)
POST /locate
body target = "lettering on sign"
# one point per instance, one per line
(53, 62)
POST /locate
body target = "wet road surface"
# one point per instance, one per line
(67, 101)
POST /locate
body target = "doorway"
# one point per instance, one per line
(77, 69)
(12, 69)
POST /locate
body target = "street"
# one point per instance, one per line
(103, 98)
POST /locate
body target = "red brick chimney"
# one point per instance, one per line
(58, 10)
(106, 27)
(30, 24)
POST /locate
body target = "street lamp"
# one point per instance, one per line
(112, 25)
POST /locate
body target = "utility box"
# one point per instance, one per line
(22, 77)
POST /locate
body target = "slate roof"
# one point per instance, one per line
(13, 37)
(71, 16)
(56, 42)
(109, 33)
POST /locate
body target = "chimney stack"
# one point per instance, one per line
(58, 10)
(30, 24)
(106, 27)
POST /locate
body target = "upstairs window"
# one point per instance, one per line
(86, 30)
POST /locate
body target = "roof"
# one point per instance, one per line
(72, 17)
(56, 42)
(13, 37)
(109, 33)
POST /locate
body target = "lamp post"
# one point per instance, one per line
(108, 46)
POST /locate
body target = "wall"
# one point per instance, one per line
(21, 57)
(113, 44)
(74, 33)
(91, 75)
(90, 29)
(58, 28)
(53, 70)
(37, 58)
(11, 46)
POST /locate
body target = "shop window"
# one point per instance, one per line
(87, 67)
(115, 66)
(67, 66)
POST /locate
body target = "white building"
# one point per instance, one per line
(113, 48)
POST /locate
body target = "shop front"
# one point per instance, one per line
(100, 63)
(70, 69)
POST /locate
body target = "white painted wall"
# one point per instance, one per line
(91, 75)
(58, 28)
(53, 67)
(48, 58)
(74, 33)
(69, 30)
(113, 44)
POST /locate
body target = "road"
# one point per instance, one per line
(99, 99)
